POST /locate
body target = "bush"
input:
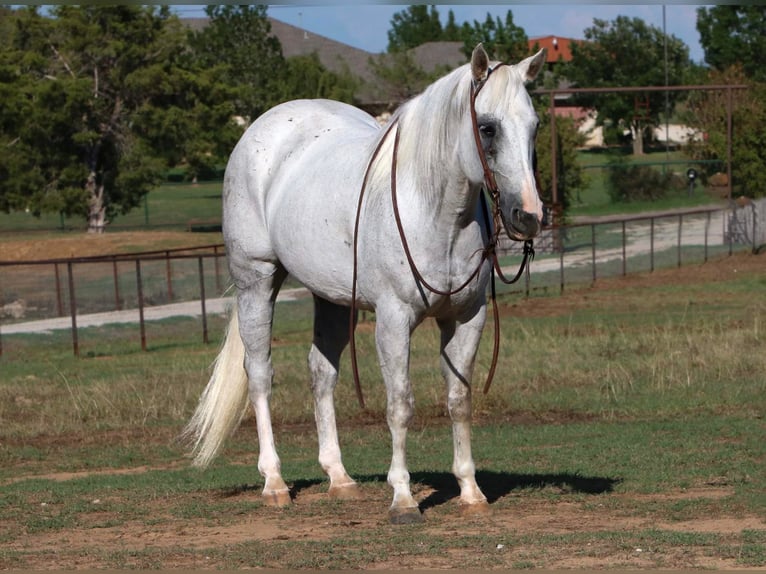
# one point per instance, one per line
(627, 182)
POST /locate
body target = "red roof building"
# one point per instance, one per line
(557, 47)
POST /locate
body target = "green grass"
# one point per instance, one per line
(626, 402)
(170, 205)
(595, 200)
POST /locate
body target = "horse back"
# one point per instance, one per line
(291, 182)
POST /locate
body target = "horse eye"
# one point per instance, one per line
(487, 130)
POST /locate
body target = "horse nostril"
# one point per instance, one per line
(525, 221)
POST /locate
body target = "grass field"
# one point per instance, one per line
(624, 429)
(175, 205)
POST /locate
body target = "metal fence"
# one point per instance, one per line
(149, 285)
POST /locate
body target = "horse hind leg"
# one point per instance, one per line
(255, 303)
(331, 335)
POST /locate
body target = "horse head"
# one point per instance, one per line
(501, 152)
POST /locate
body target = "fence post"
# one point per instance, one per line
(651, 244)
(59, 302)
(115, 275)
(169, 275)
(680, 224)
(140, 292)
(732, 223)
(755, 227)
(202, 299)
(561, 269)
(593, 250)
(624, 258)
(73, 309)
(217, 271)
(707, 228)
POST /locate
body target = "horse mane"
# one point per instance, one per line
(427, 123)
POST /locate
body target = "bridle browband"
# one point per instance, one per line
(488, 253)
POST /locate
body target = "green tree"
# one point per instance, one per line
(733, 35)
(628, 52)
(503, 40)
(708, 112)
(415, 25)
(306, 77)
(74, 84)
(399, 77)
(239, 40)
(570, 177)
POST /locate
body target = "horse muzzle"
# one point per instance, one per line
(523, 225)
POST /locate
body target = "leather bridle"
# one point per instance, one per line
(488, 253)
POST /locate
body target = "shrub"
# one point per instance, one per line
(627, 182)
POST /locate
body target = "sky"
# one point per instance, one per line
(365, 26)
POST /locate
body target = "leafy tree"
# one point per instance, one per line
(74, 85)
(415, 25)
(399, 76)
(503, 40)
(306, 77)
(238, 40)
(570, 177)
(451, 31)
(628, 52)
(708, 111)
(734, 35)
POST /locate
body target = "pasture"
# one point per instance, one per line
(624, 428)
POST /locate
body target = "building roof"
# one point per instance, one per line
(339, 57)
(433, 55)
(556, 46)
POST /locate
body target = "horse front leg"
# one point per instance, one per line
(392, 339)
(459, 343)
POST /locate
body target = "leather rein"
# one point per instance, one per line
(489, 253)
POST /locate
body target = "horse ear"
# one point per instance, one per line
(479, 63)
(531, 66)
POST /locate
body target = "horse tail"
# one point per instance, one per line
(223, 403)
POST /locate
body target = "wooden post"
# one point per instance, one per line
(140, 292)
(202, 299)
(73, 309)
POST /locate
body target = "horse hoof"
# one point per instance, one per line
(410, 515)
(475, 509)
(348, 491)
(277, 498)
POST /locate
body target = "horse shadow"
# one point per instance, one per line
(495, 485)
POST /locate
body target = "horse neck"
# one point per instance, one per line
(431, 127)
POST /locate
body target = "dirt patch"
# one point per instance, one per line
(89, 245)
(578, 533)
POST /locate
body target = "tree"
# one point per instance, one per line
(628, 52)
(239, 40)
(734, 35)
(570, 177)
(306, 77)
(75, 83)
(399, 76)
(708, 109)
(414, 26)
(504, 41)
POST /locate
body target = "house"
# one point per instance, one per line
(557, 48)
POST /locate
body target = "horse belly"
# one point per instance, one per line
(312, 223)
(291, 188)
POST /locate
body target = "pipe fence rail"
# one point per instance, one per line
(577, 253)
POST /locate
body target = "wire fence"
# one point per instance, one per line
(55, 294)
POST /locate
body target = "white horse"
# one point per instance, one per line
(291, 197)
